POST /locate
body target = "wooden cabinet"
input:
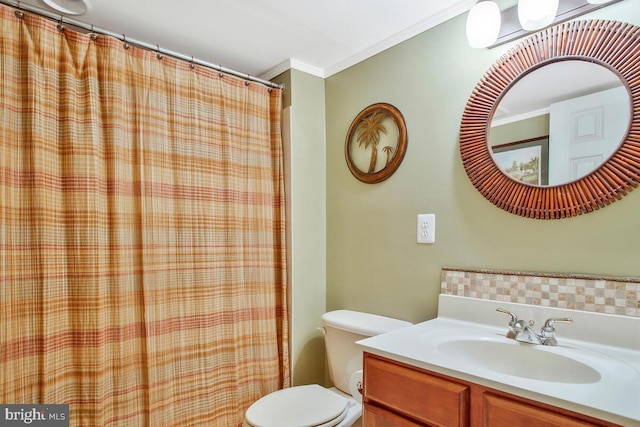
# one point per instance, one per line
(416, 395)
(374, 416)
(400, 395)
(502, 411)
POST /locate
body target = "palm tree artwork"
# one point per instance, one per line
(388, 150)
(366, 132)
(369, 134)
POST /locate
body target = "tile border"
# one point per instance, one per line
(600, 294)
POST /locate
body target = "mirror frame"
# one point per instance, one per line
(614, 45)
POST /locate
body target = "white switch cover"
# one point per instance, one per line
(426, 228)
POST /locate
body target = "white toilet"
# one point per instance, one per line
(313, 405)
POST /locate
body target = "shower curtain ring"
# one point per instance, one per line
(158, 54)
(191, 64)
(19, 13)
(124, 38)
(93, 35)
(60, 25)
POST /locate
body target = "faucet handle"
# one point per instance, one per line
(515, 325)
(513, 318)
(548, 332)
(548, 325)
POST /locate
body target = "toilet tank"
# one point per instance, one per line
(342, 328)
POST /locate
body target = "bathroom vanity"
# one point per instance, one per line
(460, 369)
(401, 395)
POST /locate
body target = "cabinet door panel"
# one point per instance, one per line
(503, 412)
(378, 417)
(416, 394)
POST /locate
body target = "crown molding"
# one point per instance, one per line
(293, 64)
(454, 10)
(459, 7)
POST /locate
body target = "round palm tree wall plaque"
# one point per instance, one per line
(376, 143)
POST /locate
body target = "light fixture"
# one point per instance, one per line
(536, 14)
(68, 7)
(483, 24)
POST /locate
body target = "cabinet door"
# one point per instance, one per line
(504, 412)
(373, 416)
(415, 394)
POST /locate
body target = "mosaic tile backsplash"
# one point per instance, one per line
(601, 294)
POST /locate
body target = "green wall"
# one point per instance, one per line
(373, 261)
(520, 130)
(306, 232)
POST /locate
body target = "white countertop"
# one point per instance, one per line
(610, 344)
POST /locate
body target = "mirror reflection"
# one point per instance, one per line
(560, 122)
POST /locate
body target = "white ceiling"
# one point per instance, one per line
(533, 94)
(265, 37)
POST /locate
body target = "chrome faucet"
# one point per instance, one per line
(520, 331)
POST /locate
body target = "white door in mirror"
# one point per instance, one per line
(426, 228)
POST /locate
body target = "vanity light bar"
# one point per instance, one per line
(511, 29)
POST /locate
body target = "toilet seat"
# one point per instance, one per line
(300, 406)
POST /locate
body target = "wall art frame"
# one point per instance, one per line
(365, 134)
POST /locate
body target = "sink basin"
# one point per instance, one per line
(520, 360)
(594, 370)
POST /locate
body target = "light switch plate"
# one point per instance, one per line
(426, 228)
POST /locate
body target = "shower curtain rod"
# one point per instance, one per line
(155, 48)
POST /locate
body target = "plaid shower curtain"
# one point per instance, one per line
(142, 233)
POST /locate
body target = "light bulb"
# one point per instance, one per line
(69, 7)
(483, 24)
(536, 14)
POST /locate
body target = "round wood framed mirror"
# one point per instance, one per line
(611, 44)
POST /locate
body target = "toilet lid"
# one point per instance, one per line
(301, 406)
